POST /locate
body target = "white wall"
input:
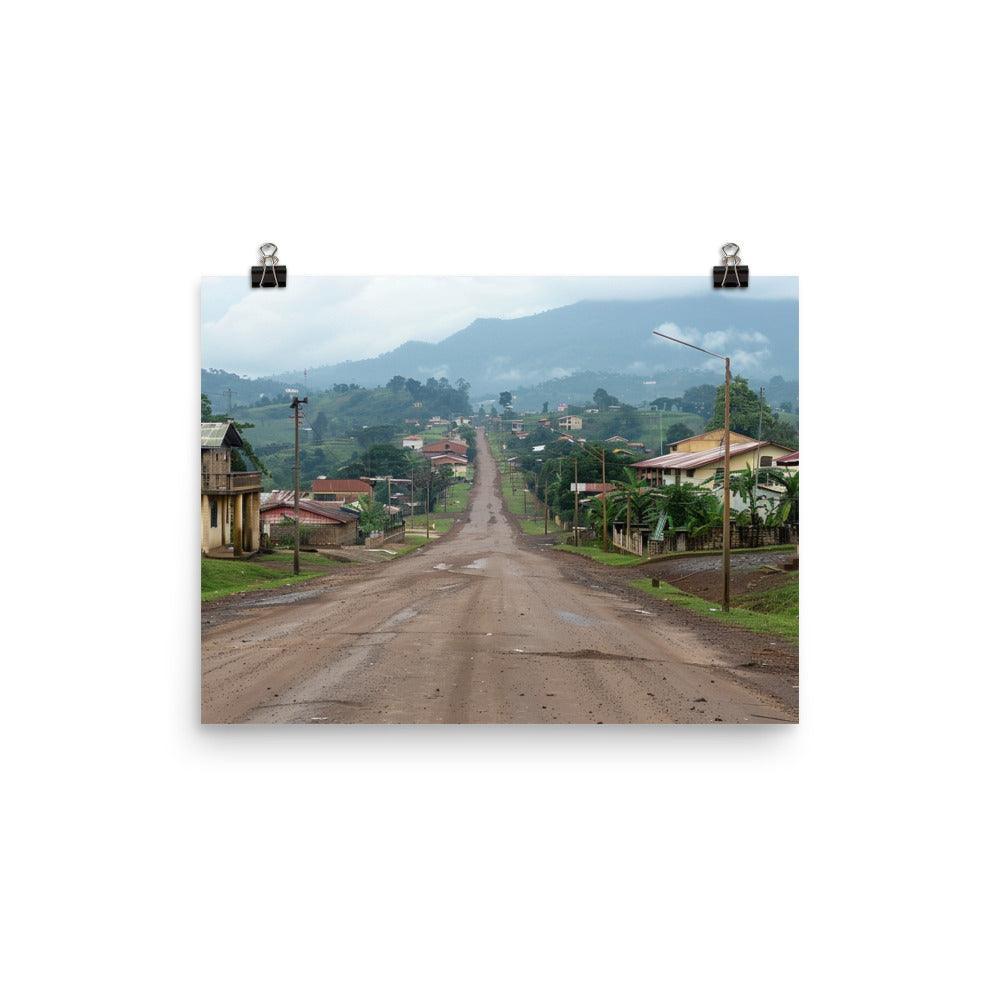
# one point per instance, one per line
(851, 856)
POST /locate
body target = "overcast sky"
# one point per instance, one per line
(319, 321)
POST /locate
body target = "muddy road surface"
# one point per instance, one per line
(478, 627)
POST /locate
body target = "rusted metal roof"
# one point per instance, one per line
(321, 508)
(446, 446)
(697, 459)
(221, 434)
(792, 459)
(341, 486)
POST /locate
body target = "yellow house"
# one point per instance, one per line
(230, 501)
(700, 457)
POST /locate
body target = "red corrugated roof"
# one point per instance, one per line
(341, 486)
(321, 508)
(696, 459)
(792, 459)
(445, 446)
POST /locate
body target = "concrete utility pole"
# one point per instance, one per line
(296, 407)
(427, 518)
(725, 467)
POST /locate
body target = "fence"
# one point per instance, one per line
(628, 542)
(393, 536)
(741, 536)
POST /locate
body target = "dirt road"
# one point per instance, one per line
(476, 628)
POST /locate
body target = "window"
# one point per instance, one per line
(689, 473)
(213, 508)
(765, 460)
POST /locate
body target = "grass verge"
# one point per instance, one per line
(413, 542)
(770, 612)
(220, 577)
(598, 554)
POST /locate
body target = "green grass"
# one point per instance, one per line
(283, 557)
(598, 554)
(220, 577)
(413, 541)
(458, 497)
(772, 612)
(439, 523)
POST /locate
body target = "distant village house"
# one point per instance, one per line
(340, 490)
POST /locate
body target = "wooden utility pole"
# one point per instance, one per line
(725, 466)
(604, 498)
(576, 500)
(725, 501)
(296, 416)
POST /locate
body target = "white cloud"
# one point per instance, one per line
(318, 321)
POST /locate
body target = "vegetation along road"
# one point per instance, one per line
(483, 625)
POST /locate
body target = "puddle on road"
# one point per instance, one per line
(477, 564)
(574, 619)
(443, 566)
(397, 619)
(299, 595)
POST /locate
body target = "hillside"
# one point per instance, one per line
(606, 336)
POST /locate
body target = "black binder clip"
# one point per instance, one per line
(730, 273)
(269, 273)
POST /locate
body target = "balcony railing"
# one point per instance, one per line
(230, 482)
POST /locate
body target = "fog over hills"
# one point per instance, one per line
(615, 337)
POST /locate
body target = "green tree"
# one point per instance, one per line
(631, 500)
(677, 432)
(373, 516)
(699, 399)
(750, 415)
(545, 407)
(505, 400)
(688, 506)
(603, 399)
(320, 427)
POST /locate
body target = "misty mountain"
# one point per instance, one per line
(606, 336)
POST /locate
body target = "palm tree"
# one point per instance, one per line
(630, 496)
(688, 507)
(788, 507)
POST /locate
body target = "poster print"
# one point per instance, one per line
(499, 500)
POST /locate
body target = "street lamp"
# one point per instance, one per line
(725, 467)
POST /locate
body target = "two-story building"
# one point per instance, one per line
(700, 457)
(230, 501)
(571, 422)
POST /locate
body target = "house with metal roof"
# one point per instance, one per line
(340, 490)
(323, 522)
(699, 465)
(230, 500)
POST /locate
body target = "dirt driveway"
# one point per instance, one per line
(482, 626)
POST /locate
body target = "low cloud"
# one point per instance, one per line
(318, 321)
